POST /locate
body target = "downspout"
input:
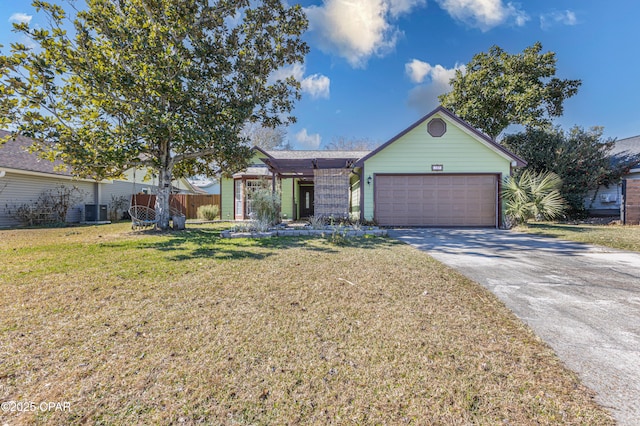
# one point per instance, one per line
(498, 201)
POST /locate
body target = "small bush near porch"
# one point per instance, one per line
(187, 328)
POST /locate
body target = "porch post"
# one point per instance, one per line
(273, 182)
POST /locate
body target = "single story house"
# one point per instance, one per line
(24, 177)
(440, 171)
(607, 201)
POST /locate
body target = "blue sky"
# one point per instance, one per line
(376, 66)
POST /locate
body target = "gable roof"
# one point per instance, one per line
(481, 137)
(627, 146)
(315, 154)
(14, 154)
(302, 163)
(627, 151)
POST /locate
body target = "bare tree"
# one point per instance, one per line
(266, 137)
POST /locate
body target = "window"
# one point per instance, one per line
(251, 185)
(238, 199)
(437, 127)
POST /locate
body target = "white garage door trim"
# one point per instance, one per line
(464, 199)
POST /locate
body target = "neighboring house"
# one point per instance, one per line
(206, 185)
(24, 177)
(607, 201)
(438, 172)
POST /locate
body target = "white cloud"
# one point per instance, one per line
(417, 70)
(296, 71)
(424, 97)
(357, 29)
(307, 141)
(566, 17)
(484, 14)
(22, 18)
(316, 85)
(399, 7)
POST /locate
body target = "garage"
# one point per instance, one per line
(440, 171)
(436, 200)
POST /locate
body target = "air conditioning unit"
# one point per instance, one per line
(95, 212)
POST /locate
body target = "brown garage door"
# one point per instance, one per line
(435, 200)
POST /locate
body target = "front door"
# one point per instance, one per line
(306, 201)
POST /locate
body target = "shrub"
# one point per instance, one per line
(117, 206)
(209, 212)
(51, 207)
(582, 158)
(316, 222)
(265, 206)
(338, 236)
(533, 196)
(251, 226)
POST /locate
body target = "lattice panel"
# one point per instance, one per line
(331, 188)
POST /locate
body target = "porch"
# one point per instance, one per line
(311, 183)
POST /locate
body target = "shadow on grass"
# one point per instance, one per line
(542, 227)
(206, 243)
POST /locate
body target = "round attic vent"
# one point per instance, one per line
(437, 127)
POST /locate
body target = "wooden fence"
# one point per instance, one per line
(187, 204)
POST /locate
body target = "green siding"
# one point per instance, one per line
(256, 160)
(415, 152)
(226, 198)
(296, 198)
(287, 190)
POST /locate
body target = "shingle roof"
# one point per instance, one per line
(14, 154)
(629, 146)
(254, 171)
(316, 154)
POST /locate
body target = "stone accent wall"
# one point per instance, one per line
(632, 202)
(331, 196)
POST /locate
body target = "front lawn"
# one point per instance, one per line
(188, 328)
(614, 236)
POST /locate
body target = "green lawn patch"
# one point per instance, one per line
(614, 236)
(187, 328)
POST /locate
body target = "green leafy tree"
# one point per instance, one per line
(497, 89)
(8, 102)
(582, 159)
(533, 195)
(162, 84)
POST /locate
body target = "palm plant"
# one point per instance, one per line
(533, 196)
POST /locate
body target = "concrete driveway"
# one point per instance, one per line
(584, 301)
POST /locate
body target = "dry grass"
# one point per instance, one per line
(187, 328)
(614, 236)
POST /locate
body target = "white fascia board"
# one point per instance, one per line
(42, 174)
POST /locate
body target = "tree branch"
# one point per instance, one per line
(193, 155)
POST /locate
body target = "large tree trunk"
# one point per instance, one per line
(162, 198)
